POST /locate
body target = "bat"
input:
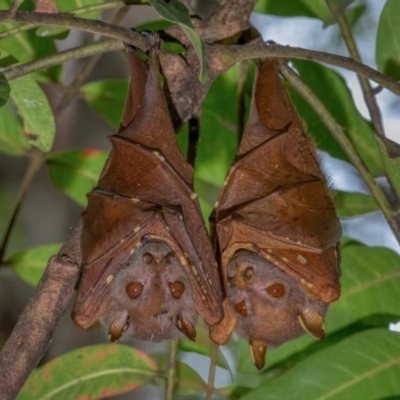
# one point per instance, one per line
(149, 268)
(275, 229)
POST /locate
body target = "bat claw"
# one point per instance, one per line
(186, 327)
(312, 322)
(258, 349)
(118, 326)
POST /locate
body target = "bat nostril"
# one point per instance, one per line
(160, 313)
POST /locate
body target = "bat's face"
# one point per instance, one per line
(270, 306)
(150, 298)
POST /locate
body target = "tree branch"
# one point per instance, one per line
(14, 7)
(231, 54)
(56, 59)
(36, 162)
(33, 332)
(338, 133)
(223, 56)
(78, 11)
(87, 25)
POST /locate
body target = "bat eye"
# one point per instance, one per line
(148, 259)
(177, 289)
(241, 308)
(276, 290)
(134, 290)
(169, 258)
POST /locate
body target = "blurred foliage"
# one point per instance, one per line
(360, 359)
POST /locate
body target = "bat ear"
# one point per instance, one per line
(312, 322)
(258, 349)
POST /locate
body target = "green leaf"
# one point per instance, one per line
(35, 111)
(370, 285)
(364, 366)
(6, 60)
(76, 172)
(12, 140)
(388, 40)
(73, 5)
(107, 97)
(218, 137)
(26, 46)
(176, 12)
(391, 158)
(92, 372)
(331, 89)
(350, 204)
(289, 8)
(59, 32)
(30, 264)
(4, 89)
(157, 25)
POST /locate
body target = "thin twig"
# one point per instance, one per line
(36, 161)
(75, 85)
(241, 88)
(232, 54)
(59, 58)
(338, 133)
(78, 11)
(171, 371)
(14, 7)
(211, 372)
(84, 71)
(368, 93)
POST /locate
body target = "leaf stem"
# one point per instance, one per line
(351, 45)
(338, 133)
(36, 161)
(171, 371)
(211, 372)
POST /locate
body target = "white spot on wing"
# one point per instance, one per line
(194, 270)
(302, 259)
